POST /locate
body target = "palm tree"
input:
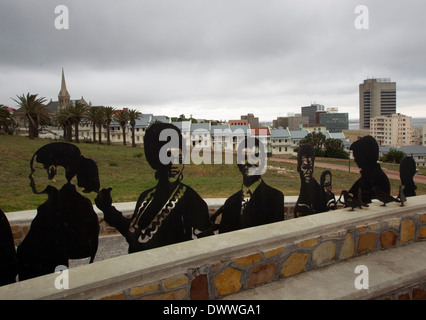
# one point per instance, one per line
(35, 111)
(133, 116)
(77, 112)
(122, 117)
(64, 119)
(93, 116)
(109, 115)
(100, 122)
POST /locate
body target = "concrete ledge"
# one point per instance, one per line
(20, 221)
(19, 217)
(238, 258)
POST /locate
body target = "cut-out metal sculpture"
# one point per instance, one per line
(351, 201)
(256, 203)
(168, 213)
(401, 196)
(327, 188)
(8, 260)
(312, 198)
(383, 196)
(407, 170)
(366, 155)
(66, 226)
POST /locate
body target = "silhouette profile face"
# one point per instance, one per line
(172, 166)
(327, 183)
(305, 162)
(244, 169)
(365, 152)
(59, 163)
(307, 168)
(175, 169)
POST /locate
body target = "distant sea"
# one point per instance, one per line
(416, 122)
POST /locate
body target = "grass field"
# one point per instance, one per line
(126, 170)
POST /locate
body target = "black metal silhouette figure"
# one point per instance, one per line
(366, 155)
(326, 185)
(383, 196)
(407, 170)
(8, 260)
(256, 203)
(351, 201)
(168, 213)
(311, 196)
(66, 226)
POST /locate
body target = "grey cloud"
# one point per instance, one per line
(206, 54)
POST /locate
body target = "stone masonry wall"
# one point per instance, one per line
(231, 275)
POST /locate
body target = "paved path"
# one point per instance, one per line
(353, 168)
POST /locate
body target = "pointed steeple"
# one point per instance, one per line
(64, 96)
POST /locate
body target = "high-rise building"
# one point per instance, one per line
(311, 112)
(377, 97)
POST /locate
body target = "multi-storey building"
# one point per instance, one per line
(394, 130)
(291, 122)
(334, 121)
(377, 97)
(251, 119)
(311, 111)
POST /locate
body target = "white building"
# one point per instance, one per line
(394, 130)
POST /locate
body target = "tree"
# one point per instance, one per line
(133, 116)
(394, 156)
(334, 149)
(6, 119)
(92, 115)
(77, 112)
(317, 140)
(122, 117)
(100, 120)
(35, 111)
(64, 119)
(109, 115)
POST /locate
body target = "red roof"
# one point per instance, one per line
(260, 131)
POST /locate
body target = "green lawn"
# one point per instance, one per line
(126, 170)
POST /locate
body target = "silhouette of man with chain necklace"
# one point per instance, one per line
(168, 213)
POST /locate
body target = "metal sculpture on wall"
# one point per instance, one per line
(407, 170)
(256, 203)
(312, 197)
(373, 180)
(66, 226)
(168, 213)
(327, 188)
(8, 260)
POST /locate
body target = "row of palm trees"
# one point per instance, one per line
(34, 112)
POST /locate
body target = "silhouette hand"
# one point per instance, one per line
(103, 199)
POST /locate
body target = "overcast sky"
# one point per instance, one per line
(215, 59)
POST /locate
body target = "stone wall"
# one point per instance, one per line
(228, 276)
(221, 265)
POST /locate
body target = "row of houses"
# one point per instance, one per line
(205, 135)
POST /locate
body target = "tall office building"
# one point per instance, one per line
(377, 97)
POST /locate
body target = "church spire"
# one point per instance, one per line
(64, 96)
